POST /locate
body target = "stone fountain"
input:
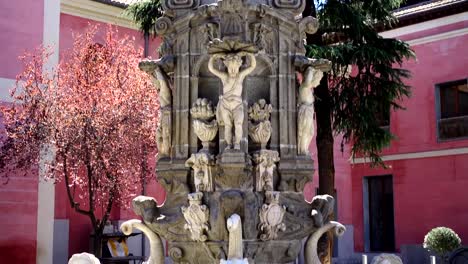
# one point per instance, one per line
(235, 130)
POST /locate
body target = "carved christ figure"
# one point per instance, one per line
(305, 119)
(230, 111)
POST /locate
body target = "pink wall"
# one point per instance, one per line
(21, 24)
(72, 24)
(428, 192)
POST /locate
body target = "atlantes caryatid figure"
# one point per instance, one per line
(230, 110)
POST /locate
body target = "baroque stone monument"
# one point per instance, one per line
(236, 124)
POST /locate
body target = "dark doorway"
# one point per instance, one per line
(380, 235)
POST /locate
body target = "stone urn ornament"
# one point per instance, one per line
(260, 126)
(204, 122)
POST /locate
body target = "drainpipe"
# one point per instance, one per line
(143, 183)
(146, 46)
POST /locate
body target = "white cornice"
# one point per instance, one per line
(96, 11)
(441, 36)
(443, 21)
(417, 155)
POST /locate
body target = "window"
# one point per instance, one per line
(453, 110)
(383, 117)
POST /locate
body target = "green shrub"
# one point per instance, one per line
(442, 241)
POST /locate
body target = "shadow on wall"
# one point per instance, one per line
(17, 250)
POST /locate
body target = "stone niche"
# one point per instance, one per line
(259, 182)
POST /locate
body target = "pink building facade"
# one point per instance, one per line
(424, 186)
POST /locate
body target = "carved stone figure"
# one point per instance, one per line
(204, 124)
(203, 165)
(83, 258)
(260, 36)
(161, 81)
(196, 216)
(211, 32)
(265, 166)
(260, 126)
(271, 217)
(305, 117)
(235, 248)
(230, 110)
(387, 259)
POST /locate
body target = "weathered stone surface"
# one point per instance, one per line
(146, 207)
(234, 170)
(295, 173)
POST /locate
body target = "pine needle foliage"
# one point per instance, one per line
(144, 14)
(376, 84)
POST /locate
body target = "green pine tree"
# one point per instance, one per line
(352, 105)
(355, 105)
(145, 13)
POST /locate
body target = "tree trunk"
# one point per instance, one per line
(324, 140)
(97, 243)
(326, 165)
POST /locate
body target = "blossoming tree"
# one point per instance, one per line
(95, 115)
